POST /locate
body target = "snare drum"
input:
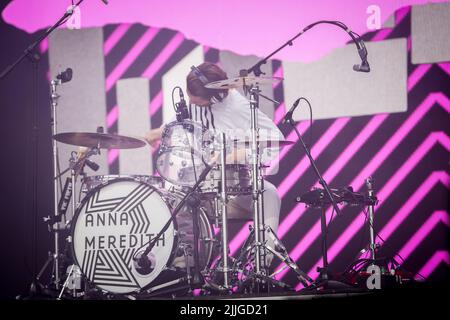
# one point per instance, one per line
(238, 179)
(113, 224)
(184, 144)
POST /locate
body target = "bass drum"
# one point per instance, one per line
(113, 224)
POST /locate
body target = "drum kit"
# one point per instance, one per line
(153, 235)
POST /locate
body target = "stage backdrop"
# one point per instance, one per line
(390, 124)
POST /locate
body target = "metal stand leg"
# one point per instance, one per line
(372, 244)
(66, 282)
(224, 201)
(323, 225)
(257, 182)
(194, 203)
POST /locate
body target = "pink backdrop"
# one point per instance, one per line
(245, 27)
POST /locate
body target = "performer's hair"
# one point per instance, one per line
(203, 74)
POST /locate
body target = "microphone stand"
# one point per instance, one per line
(34, 57)
(28, 52)
(192, 197)
(256, 69)
(323, 280)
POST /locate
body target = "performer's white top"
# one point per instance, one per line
(233, 117)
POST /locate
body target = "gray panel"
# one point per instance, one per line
(390, 22)
(133, 99)
(232, 63)
(335, 90)
(82, 106)
(430, 31)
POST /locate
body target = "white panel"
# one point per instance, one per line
(430, 32)
(176, 76)
(335, 90)
(232, 63)
(133, 99)
(82, 106)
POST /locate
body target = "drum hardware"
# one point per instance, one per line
(99, 140)
(184, 147)
(34, 57)
(68, 196)
(317, 198)
(250, 85)
(264, 143)
(73, 282)
(91, 182)
(243, 81)
(323, 277)
(52, 222)
(143, 262)
(372, 244)
(54, 102)
(258, 186)
(78, 160)
(112, 225)
(224, 200)
(279, 250)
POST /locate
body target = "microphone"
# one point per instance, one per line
(181, 108)
(288, 115)
(362, 51)
(91, 164)
(363, 67)
(144, 264)
(65, 76)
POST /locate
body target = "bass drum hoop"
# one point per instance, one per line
(75, 219)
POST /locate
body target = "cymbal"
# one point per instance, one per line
(100, 140)
(242, 81)
(264, 143)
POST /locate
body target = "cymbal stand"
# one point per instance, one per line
(259, 276)
(55, 221)
(257, 185)
(224, 218)
(280, 251)
(323, 279)
(372, 245)
(54, 102)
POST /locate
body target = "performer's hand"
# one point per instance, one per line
(153, 136)
(237, 156)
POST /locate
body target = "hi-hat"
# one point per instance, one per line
(99, 140)
(239, 82)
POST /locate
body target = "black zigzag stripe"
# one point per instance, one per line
(123, 276)
(116, 274)
(124, 266)
(131, 198)
(133, 221)
(140, 208)
(96, 205)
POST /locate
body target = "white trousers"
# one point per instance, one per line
(240, 207)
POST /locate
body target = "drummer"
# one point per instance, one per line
(228, 111)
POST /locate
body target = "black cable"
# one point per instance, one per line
(310, 119)
(173, 100)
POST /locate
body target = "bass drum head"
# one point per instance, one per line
(112, 225)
